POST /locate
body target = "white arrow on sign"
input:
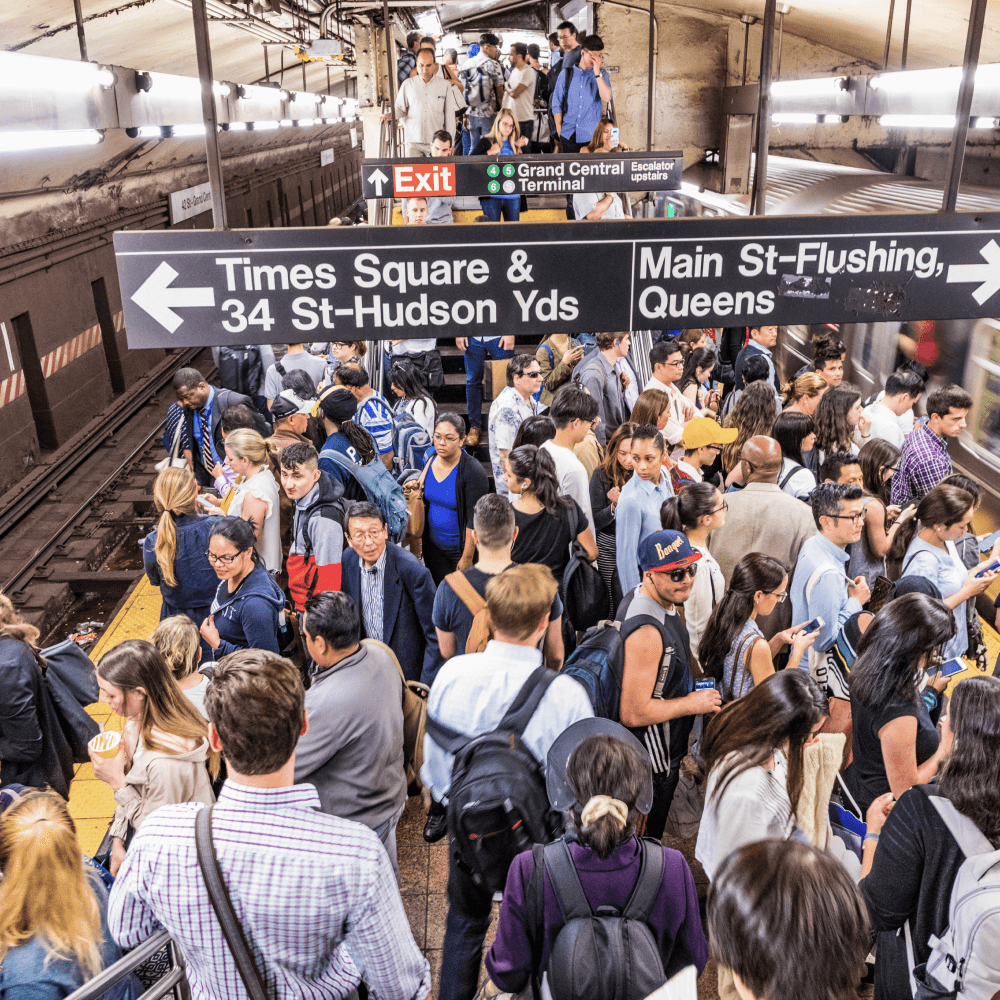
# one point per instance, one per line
(988, 273)
(378, 179)
(159, 300)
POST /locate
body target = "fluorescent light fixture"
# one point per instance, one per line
(235, 127)
(263, 94)
(801, 88)
(918, 81)
(180, 131)
(305, 98)
(917, 121)
(184, 85)
(832, 119)
(985, 122)
(13, 142)
(794, 119)
(265, 126)
(40, 73)
(150, 132)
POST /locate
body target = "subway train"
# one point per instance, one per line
(963, 351)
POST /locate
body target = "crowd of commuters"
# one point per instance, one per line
(773, 605)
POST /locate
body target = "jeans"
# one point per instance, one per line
(465, 930)
(466, 146)
(477, 128)
(475, 365)
(509, 208)
(664, 786)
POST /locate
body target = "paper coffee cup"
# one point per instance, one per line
(106, 744)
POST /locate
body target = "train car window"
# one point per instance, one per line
(982, 379)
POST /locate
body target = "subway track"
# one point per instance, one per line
(69, 532)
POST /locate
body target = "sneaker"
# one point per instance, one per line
(472, 438)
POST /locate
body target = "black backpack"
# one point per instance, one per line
(497, 803)
(608, 955)
(584, 593)
(241, 370)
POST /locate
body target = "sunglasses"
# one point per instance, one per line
(678, 575)
(532, 374)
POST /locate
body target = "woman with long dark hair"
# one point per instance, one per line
(795, 433)
(698, 367)
(164, 747)
(542, 516)
(840, 424)
(535, 430)
(248, 603)
(877, 459)
(697, 511)
(754, 414)
(908, 877)
(753, 753)
(942, 518)
(733, 649)
(894, 726)
(453, 481)
(600, 775)
(605, 488)
(412, 394)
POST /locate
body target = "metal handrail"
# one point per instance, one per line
(124, 967)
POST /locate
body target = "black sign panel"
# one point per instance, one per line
(182, 288)
(478, 176)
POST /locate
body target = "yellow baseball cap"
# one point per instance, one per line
(702, 431)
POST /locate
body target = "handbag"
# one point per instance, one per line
(173, 461)
(883, 591)
(584, 594)
(413, 490)
(232, 931)
(977, 651)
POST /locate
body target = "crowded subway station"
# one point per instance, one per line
(586, 650)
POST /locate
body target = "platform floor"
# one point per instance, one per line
(423, 867)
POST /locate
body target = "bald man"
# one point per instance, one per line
(762, 518)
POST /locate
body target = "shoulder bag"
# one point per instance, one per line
(174, 459)
(232, 931)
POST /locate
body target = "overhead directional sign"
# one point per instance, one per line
(200, 287)
(478, 176)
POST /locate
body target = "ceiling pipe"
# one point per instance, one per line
(888, 35)
(81, 36)
(759, 194)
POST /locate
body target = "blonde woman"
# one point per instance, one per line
(256, 497)
(53, 907)
(804, 393)
(164, 749)
(504, 139)
(179, 642)
(173, 554)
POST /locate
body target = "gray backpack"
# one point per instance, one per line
(965, 960)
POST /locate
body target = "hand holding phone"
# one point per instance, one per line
(989, 568)
(989, 541)
(705, 684)
(953, 666)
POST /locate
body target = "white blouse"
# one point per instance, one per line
(263, 486)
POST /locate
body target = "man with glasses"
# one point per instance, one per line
(667, 362)
(762, 518)
(394, 592)
(657, 700)
(822, 589)
(513, 405)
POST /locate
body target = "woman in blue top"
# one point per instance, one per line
(504, 139)
(53, 909)
(244, 614)
(173, 554)
(453, 482)
(943, 517)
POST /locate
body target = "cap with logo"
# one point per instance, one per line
(337, 403)
(666, 550)
(703, 431)
(288, 403)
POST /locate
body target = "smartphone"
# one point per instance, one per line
(707, 684)
(817, 623)
(614, 135)
(205, 503)
(987, 543)
(991, 567)
(953, 666)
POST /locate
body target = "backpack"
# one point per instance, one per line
(380, 489)
(608, 955)
(598, 663)
(482, 630)
(411, 444)
(241, 370)
(965, 959)
(472, 78)
(497, 803)
(584, 593)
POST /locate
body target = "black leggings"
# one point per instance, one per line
(438, 561)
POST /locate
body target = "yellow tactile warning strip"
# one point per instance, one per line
(463, 217)
(91, 803)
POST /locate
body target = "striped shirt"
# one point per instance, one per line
(315, 895)
(373, 597)
(375, 415)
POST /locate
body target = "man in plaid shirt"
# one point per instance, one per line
(924, 461)
(315, 894)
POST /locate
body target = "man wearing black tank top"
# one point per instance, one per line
(657, 702)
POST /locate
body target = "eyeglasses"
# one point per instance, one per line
(225, 560)
(447, 438)
(780, 596)
(675, 364)
(533, 374)
(719, 510)
(678, 575)
(858, 518)
(366, 536)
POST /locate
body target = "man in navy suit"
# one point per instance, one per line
(394, 591)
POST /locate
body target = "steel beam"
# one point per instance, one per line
(906, 33)
(758, 198)
(970, 63)
(81, 37)
(390, 62)
(203, 50)
(888, 35)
